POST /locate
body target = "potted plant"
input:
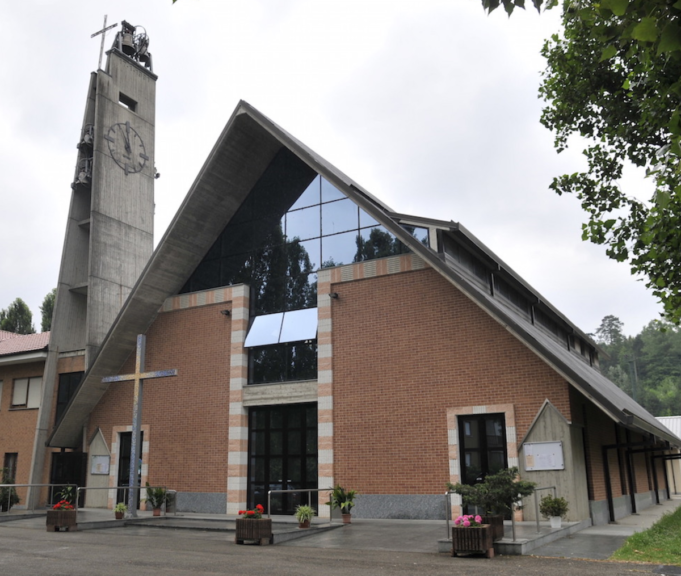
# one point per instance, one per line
(497, 495)
(8, 495)
(62, 515)
(304, 515)
(120, 510)
(343, 499)
(157, 498)
(250, 525)
(470, 535)
(553, 508)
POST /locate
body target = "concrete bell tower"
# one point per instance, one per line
(109, 233)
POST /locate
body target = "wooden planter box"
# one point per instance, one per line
(474, 539)
(58, 519)
(497, 524)
(259, 529)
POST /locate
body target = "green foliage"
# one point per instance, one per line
(17, 318)
(158, 496)
(659, 544)
(304, 513)
(497, 493)
(8, 496)
(68, 493)
(343, 499)
(46, 310)
(646, 366)
(550, 507)
(614, 78)
(120, 507)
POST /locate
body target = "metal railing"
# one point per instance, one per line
(164, 508)
(309, 497)
(536, 501)
(48, 503)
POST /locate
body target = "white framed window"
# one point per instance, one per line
(27, 392)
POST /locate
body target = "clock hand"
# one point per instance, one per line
(128, 149)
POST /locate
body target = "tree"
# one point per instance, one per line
(614, 77)
(47, 309)
(610, 330)
(17, 318)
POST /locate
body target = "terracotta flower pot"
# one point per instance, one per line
(157, 512)
(119, 515)
(304, 524)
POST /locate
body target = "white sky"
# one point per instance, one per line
(431, 106)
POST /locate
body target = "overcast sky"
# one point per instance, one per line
(431, 106)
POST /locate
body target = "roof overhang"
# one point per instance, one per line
(25, 358)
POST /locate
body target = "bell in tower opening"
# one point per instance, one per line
(134, 43)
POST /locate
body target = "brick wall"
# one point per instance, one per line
(187, 415)
(406, 347)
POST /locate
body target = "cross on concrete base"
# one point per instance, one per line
(135, 449)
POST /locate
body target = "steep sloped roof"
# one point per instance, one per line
(242, 154)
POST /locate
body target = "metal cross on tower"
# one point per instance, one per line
(135, 449)
(103, 32)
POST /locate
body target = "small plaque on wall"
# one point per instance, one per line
(100, 465)
(543, 456)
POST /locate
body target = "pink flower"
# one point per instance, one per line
(457, 521)
(478, 519)
(466, 523)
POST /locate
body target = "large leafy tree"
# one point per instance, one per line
(614, 77)
(17, 318)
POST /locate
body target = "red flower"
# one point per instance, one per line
(250, 513)
(242, 512)
(259, 508)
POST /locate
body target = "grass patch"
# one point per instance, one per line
(660, 544)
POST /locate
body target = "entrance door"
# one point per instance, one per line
(282, 455)
(125, 444)
(68, 468)
(482, 438)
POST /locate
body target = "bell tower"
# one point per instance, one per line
(109, 232)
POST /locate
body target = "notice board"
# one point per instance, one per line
(544, 456)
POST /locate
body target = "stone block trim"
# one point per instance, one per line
(453, 441)
(115, 459)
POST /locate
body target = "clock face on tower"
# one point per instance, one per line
(126, 147)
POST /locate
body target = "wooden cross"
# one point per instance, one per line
(103, 33)
(135, 448)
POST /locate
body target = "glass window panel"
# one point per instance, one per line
(472, 467)
(267, 365)
(330, 192)
(276, 419)
(421, 234)
(258, 440)
(302, 361)
(294, 417)
(365, 220)
(259, 420)
(20, 390)
(276, 473)
(294, 445)
(276, 442)
(299, 325)
(310, 196)
(339, 249)
(303, 224)
(207, 275)
(264, 330)
(311, 469)
(311, 443)
(311, 417)
(258, 470)
(339, 216)
(313, 248)
(495, 461)
(495, 432)
(294, 469)
(471, 436)
(376, 243)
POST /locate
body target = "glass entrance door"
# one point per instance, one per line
(482, 438)
(282, 450)
(125, 445)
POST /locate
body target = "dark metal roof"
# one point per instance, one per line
(244, 150)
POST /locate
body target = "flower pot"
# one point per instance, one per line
(259, 529)
(347, 518)
(157, 512)
(496, 521)
(304, 524)
(58, 519)
(556, 521)
(473, 539)
(119, 515)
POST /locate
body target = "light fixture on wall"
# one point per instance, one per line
(225, 312)
(334, 295)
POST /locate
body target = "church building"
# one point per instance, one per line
(309, 336)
